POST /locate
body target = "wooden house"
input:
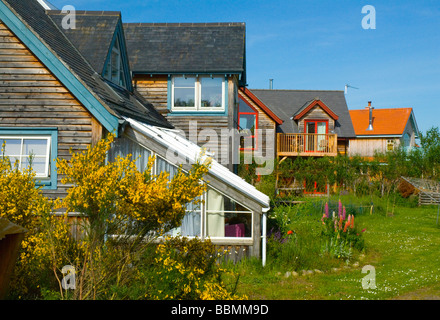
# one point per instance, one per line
(191, 73)
(382, 130)
(315, 123)
(64, 89)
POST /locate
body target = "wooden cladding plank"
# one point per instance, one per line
(35, 78)
(24, 71)
(11, 45)
(29, 89)
(40, 108)
(44, 121)
(29, 114)
(29, 101)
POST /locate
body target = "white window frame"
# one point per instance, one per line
(21, 155)
(198, 95)
(206, 212)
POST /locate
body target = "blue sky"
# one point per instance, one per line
(320, 44)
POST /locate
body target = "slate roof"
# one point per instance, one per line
(117, 102)
(92, 35)
(391, 121)
(287, 103)
(186, 47)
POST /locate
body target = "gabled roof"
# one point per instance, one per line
(92, 35)
(186, 47)
(310, 105)
(31, 23)
(386, 122)
(263, 107)
(287, 104)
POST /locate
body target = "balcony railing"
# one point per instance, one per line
(307, 144)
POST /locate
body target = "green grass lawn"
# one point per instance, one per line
(404, 249)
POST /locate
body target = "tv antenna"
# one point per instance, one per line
(348, 86)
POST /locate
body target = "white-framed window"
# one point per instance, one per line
(198, 93)
(28, 151)
(226, 218)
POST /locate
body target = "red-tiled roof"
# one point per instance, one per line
(385, 121)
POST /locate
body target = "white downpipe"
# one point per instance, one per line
(263, 238)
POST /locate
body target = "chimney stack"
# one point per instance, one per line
(270, 84)
(370, 126)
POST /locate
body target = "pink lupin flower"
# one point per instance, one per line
(339, 208)
(326, 210)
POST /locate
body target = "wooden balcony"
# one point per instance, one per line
(307, 145)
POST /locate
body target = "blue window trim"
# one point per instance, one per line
(197, 113)
(46, 184)
(124, 55)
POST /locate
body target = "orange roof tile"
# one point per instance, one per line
(385, 121)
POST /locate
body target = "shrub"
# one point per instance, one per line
(340, 235)
(187, 269)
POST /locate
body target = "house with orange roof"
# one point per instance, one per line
(382, 130)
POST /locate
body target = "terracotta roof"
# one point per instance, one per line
(385, 121)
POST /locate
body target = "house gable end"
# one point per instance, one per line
(57, 68)
(314, 104)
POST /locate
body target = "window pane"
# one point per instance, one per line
(38, 165)
(212, 93)
(115, 66)
(191, 224)
(184, 92)
(226, 218)
(124, 146)
(164, 166)
(244, 107)
(247, 122)
(184, 97)
(37, 147)
(12, 146)
(182, 82)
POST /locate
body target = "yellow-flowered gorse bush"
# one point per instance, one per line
(22, 203)
(189, 269)
(123, 210)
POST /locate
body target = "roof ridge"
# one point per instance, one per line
(185, 24)
(298, 90)
(87, 12)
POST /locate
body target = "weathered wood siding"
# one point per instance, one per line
(30, 96)
(366, 147)
(264, 123)
(154, 89)
(316, 113)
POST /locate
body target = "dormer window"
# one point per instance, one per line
(114, 70)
